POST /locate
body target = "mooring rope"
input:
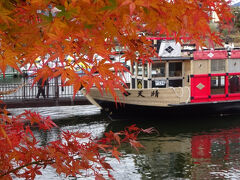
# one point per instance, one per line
(180, 95)
(174, 90)
(188, 99)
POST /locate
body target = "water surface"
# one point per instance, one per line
(184, 148)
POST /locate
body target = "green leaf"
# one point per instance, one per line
(113, 5)
(48, 18)
(146, 10)
(65, 14)
(88, 26)
(62, 8)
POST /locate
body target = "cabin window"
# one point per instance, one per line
(175, 69)
(234, 84)
(134, 68)
(145, 69)
(133, 83)
(145, 84)
(167, 74)
(217, 85)
(140, 69)
(233, 65)
(158, 70)
(218, 66)
(175, 83)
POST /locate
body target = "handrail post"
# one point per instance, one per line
(24, 87)
(56, 88)
(47, 89)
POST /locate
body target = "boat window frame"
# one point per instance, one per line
(167, 78)
(139, 77)
(165, 70)
(147, 81)
(169, 69)
(233, 85)
(216, 90)
(218, 71)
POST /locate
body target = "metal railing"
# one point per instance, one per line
(53, 89)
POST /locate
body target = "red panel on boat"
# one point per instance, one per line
(235, 54)
(201, 90)
(210, 54)
(200, 87)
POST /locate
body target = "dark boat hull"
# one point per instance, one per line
(193, 109)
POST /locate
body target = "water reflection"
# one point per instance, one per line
(184, 148)
(188, 148)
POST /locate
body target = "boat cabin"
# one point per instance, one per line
(162, 73)
(206, 75)
(215, 76)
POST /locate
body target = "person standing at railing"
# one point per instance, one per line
(41, 88)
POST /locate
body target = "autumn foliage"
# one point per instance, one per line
(86, 30)
(74, 154)
(83, 29)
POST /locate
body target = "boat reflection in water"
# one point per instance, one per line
(217, 154)
(191, 149)
(182, 149)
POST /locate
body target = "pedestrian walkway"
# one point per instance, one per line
(25, 95)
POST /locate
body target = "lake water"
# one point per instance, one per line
(184, 148)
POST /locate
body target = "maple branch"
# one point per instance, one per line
(41, 163)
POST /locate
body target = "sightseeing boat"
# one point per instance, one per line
(181, 80)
